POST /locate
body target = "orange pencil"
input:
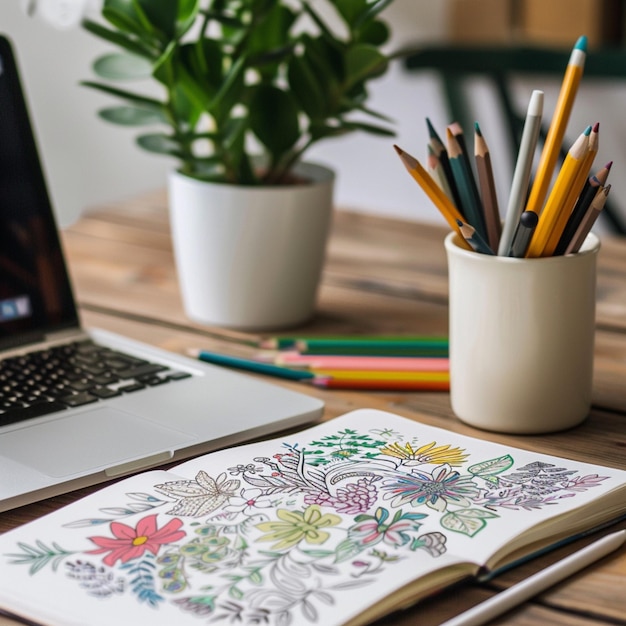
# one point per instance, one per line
(432, 190)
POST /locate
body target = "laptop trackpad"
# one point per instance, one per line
(108, 437)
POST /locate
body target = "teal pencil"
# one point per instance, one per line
(251, 365)
(474, 239)
(470, 199)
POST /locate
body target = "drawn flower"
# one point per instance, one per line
(436, 490)
(130, 543)
(250, 468)
(425, 454)
(248, 501)
(296, 526)
(372, 529)
(351, 499)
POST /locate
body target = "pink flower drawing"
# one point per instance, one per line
(131, 543)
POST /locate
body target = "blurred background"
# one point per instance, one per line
(89, 162)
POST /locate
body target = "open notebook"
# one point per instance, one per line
(339, 524)
(81, 406)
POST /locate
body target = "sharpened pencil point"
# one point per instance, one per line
(587, 131)
(431, 130)
(399, 150)
(581, 44)
(596, 127)
(477, 129)
(609, 165)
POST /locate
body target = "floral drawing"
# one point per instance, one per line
(130, 543)
(277, 539)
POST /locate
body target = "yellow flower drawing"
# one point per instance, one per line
(296, 525)
(425, 454)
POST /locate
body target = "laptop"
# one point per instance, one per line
(80, 406)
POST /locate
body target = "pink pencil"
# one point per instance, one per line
(380, 363)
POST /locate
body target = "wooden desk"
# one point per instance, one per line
(382, 276)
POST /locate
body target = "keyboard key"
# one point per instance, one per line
(78, 399)
(10, 416)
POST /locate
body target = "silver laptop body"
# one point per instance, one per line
(178, 408)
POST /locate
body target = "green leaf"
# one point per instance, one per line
(122, 15)
(159, 143)
(149, 103)
(368, 128)
(373, 10)
(375, 33)
(351, 10)
(122, 66)
(274, 118)
(363, 61)
(119, 39)
(186, 15)
(161, 15)
(230, 92)
(164, 69)
(131, 116)
(493, 466)
(271, 32)
(306, 89)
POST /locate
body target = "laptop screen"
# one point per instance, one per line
(35, 292)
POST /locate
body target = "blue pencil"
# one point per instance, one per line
(251, 365)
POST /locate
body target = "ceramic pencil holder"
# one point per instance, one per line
(521, 338)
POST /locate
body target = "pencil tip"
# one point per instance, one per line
(398, 149)
(477, 129)
(609, 165)
(459, 223)
(581, 44)
(431, 129)
(596, 127)
(455, 128)
(587, 131)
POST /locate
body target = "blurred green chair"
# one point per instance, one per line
(499, 64)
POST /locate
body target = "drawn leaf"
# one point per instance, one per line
(466, 521)
(346, 550)
(493, 466)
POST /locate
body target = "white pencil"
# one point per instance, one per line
(512, 597)
(521, 176)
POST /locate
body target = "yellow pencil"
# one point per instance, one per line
(433, 191)
(568, 175)
(556, 132)
(574, 192)
(381, 375)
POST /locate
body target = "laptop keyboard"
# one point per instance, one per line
(72, 375)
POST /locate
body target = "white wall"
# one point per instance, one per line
(90, 162)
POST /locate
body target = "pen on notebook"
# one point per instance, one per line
(472, 236)
(556, 131)
(535, 584)
(521, 174)
(597, 204)
(487, 189)
(593, 184)
(442, 154)
(251, 365)
(560, 190)
(523, 234)
(429, 186)
(367, 363)
(471, 205)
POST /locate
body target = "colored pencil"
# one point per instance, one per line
(430, 187)
(521, 174)
(523, 234)
(588, 220)
(556, 131)
(471, 205)
(567, 176)
(593, 184)
(382, 375)
(487, 189)
(574, 192)
(436, 171)
(367, 363)
(251, 365)
(382, 385)
(472, 237)
(442, 154)
(360, 341)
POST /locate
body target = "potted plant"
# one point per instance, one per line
(247, 86)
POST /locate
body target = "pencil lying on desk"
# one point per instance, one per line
(382, 345)
(382, 385)
(366, 363)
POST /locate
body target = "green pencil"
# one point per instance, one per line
(364, 341)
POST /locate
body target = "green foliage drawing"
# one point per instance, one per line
(344, 445)
(39, 555)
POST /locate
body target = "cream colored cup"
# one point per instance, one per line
(521, 338)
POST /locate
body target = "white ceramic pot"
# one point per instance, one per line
(250, 257)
